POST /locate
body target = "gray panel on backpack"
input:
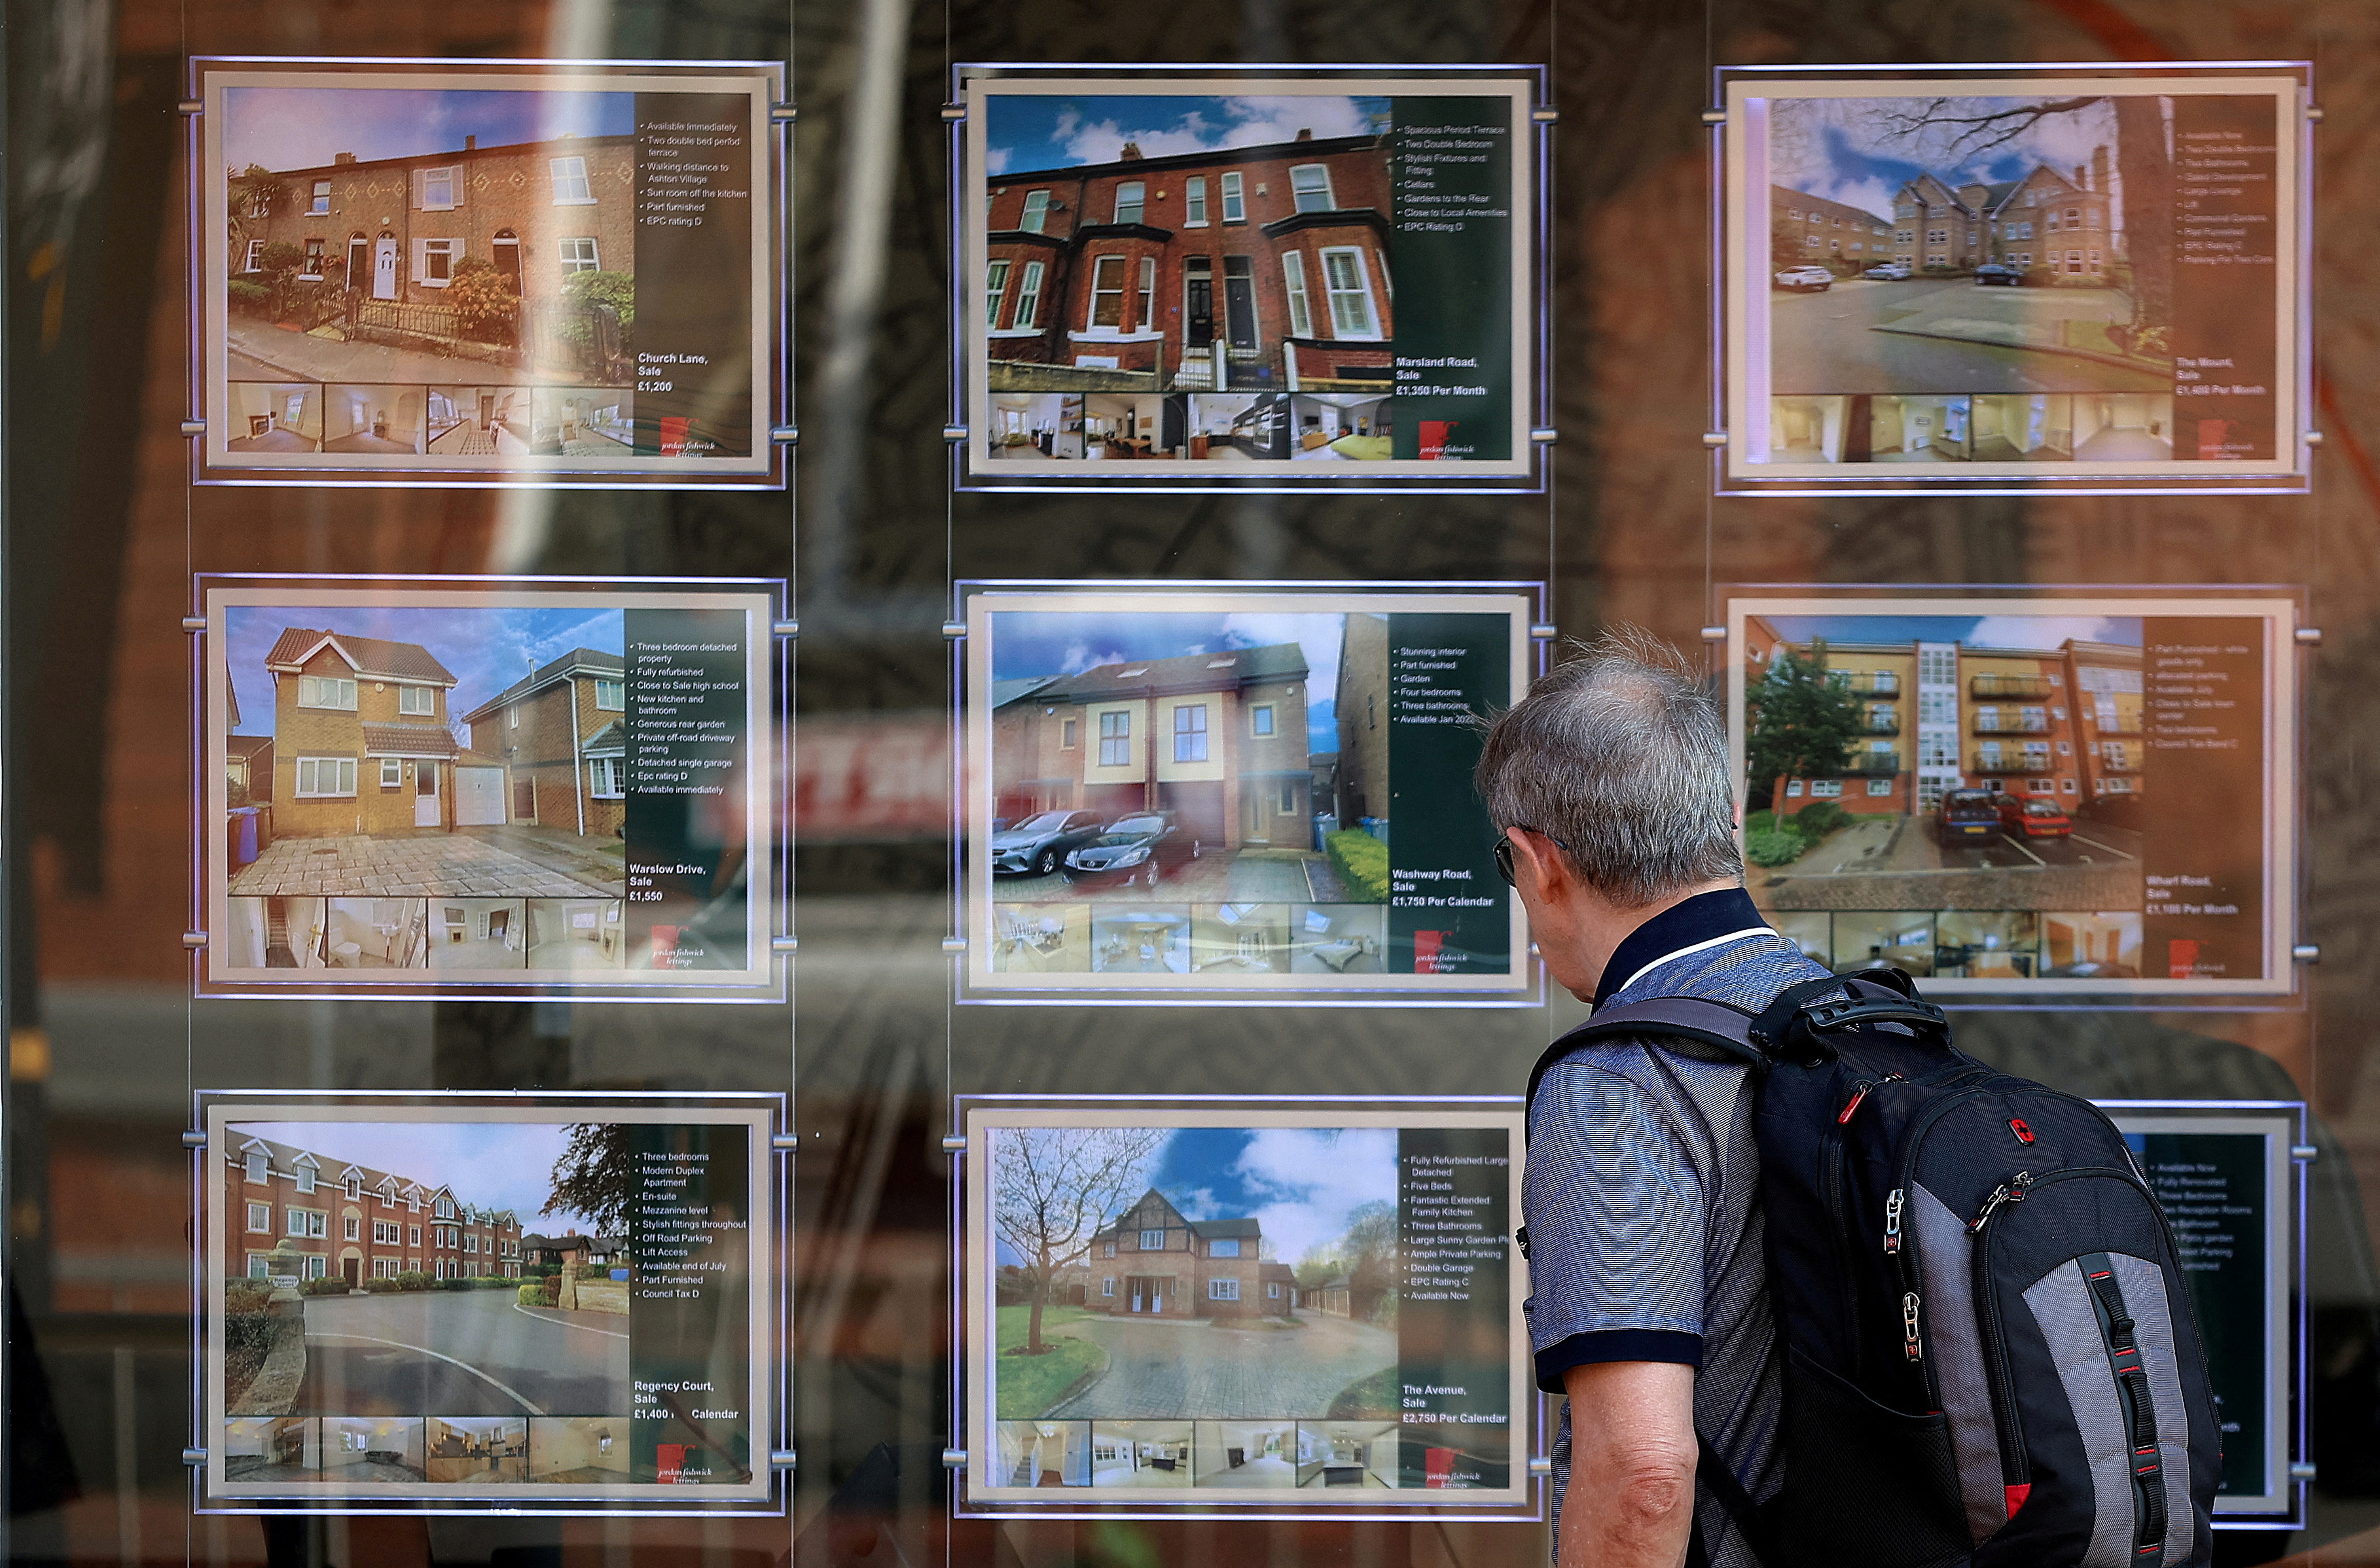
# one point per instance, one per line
(1949, 1256)
(2144, 1298)
(2061, 1305)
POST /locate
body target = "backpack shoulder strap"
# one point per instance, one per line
(1716, 1024)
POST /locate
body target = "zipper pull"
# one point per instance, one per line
(1892, 1223)
(1860, 1091)
(2010, 1191)
(1910, 1348)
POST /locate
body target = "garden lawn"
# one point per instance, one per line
(1027, 1385)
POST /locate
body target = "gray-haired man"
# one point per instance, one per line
(1648, 1304)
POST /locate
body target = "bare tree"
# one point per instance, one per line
(1970, 127)
(1054, 1187)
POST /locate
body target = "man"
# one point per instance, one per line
(1649, 1305)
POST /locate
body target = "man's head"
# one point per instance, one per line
(1610, 781)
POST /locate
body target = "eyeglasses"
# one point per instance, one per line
(1504, 850)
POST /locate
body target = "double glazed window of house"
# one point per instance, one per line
(1194, 202)
(350, 1228)
(1301, 311)
(1309, 188)
(308, 1222)
(995, 285)
(1223, 1289)
(570, 184)
(1029, 297)
(1224, 1247)
(418, 702)
(1190, 732)
(611, 696)
(320, 201)
(577, 254)
(1236, 206)
(326, 777)
(1147, 302)
(1152, 1241)
(435, 190)
(260, 1218)
(1351, 293)
(1260, 719)
(254, 260)
(312, 266)
(1107, 292)
(607, 780)
(434, 259)
(1037, 212)
(1132, 197)
(385, 1233)
(1115, 740)
(326, 691)
(259, 1165)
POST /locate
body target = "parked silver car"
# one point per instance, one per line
(1037, 846)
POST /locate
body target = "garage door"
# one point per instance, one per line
(479, 797)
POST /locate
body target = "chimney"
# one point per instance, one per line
(2081, 177)
(338, 158)
(2099, 169)
(470, 143)
(1305, 133)
(1131, 154)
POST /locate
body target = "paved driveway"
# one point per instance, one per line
(1179, 1371)
(460, 1352)
(435, 865)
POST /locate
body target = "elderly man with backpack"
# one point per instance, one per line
(1819, 1288)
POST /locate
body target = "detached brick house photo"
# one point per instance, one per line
(1154, 1263)
(383, 788)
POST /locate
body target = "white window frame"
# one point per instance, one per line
(425, 696)
(619, 695)
(1190, 732)
(1827, 789)
(293, 1223)
(1144, 302)
(1158, 1234)
(1138, 206)
(350, 1228)
(1215, 1247)
(995, 285)
(260, 1211)
(1115, 730)
(1223, 1289)
(1091, 322)
(305, 1178)
(607, 778)
(413, 1235)
(1034, 218)
(574, 260)
(254, 260)
(1107, 1289)
(448, 248)
(1260, 719)
(318, 199)
(1371, 329)
(1029, 298)
(1301, 309)
(317, 1267)
(343, 778)
(452, 177)
(341, 692)
(257, 1166)
(392, 772)
(1194, 202)
(1298, 193)
(1235, 201)
(573, 187)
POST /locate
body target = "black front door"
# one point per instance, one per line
(1240, 320)
(1198, 302)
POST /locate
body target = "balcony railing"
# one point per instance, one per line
(2127, 763)
(1873, 762)
(2122, 726)
(1883, 723)
(2010, 763)
(1882, 684)
(2009, 686)
(2002, 724)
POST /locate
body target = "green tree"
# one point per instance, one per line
(1805, 719)
(595, 1177)
(616, 290)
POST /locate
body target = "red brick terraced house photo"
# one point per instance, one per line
(361, 742)
(315, 1216)
(562, 734)
(1246, 269)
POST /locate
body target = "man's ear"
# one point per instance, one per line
(1538, 867)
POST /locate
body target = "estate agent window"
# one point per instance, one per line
(570, 186)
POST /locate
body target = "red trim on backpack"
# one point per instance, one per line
(2024, 1134)
(2016, 1496)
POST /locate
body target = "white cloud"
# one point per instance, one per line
(1319, 636)
(1312, 1178)
(996, 161)
(1247, 122)
(2049, 631)
(1872, 195)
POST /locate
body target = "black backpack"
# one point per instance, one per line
(1989, 1352)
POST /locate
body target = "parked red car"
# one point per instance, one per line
(2033, 817)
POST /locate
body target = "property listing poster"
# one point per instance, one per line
(430, 1301)
(1169, 1308)
(425, 272)
(2231, 1191)
(1195, 280)
(1235, 793)
(2015, 276)
(2079, 793)
(539, 789)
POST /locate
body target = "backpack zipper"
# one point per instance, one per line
(1892, 1223)
(1860, 1091)
(2015, 1467)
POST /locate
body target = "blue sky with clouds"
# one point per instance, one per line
(1025, 643)
(1026, 131)
(302, 127)
(487, 648)
(1299, 1183)
(2032, 632)
(493, 1164)
(1851, 149)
